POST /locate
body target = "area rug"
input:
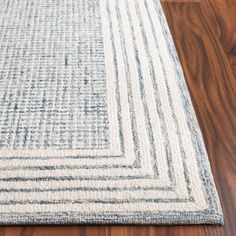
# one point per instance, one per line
(96, 122)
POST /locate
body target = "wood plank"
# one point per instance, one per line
(221, 14)
(213, 91)
(232, 62)
(212, 87)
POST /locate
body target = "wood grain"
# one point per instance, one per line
(232, 61)
(213, 91)
(221, 14)
(204, 34)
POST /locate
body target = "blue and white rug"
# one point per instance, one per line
(96, 122)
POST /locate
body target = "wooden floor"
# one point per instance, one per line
(204, 32)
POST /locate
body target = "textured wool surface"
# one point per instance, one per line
(96, 122)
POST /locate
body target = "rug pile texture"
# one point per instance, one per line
(96, 122)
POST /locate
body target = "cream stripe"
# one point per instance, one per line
(131, 183)
(114, 138)
(91, 208)
(88, 195)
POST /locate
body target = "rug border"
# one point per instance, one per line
(143, 218)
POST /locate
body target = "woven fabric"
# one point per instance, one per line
(96, 122)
